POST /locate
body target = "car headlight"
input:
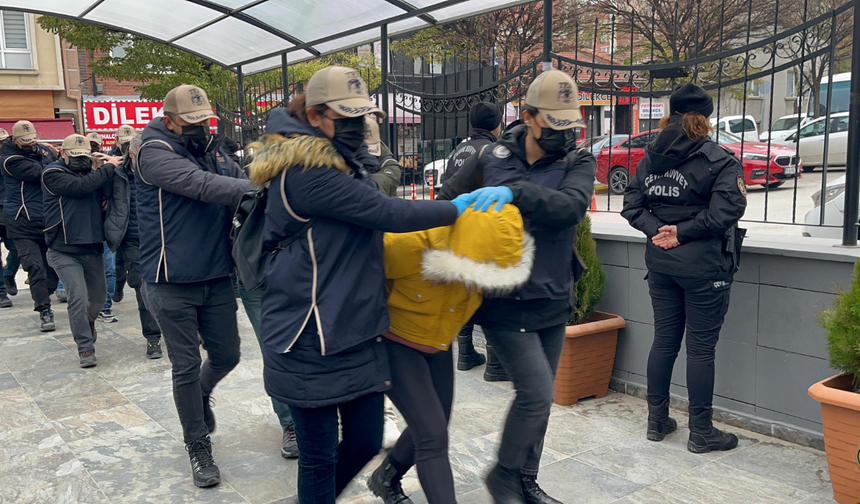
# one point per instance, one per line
(829, 194)
(755, 157)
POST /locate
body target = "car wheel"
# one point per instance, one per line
(774, 185)
(807, 169)
(619, 179)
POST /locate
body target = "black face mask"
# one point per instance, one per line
(95, 148)
(553, 141)
(79, 164)
(196, 138)
(30, 149)
(124, 149)
(349, 131)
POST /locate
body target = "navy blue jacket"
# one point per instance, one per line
(183, 207)
(325, 305)
(22, 178)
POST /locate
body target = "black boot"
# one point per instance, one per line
(11, 286)
(494, 372)
(203, 467)
(704, 437)
(505, 486)
(5, 302)
(385, 483)
(468, 356)
(533, 493)
(208, 416)
(659, 423)
(46, 318)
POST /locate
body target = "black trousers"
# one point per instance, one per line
(182, 311)
(422, 388)
(130, 251)
(122, 268)
(698, 306)
(43, 278)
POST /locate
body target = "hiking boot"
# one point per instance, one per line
(203, 468)
(505, 486)
(62, 296)
(5, 302)
(93, 331)
(468, 357)
(713, 440)
(289, 445)
(46, 317)
(11, 286)
(88, 358)
(208, 416)
(385, 483)
(107, 317)
(118, 294)
(659, 423)
(533, 493)
(153, 349)
(494, 372)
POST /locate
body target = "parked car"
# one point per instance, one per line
(783, 127)
(763, 164)
(833, 203)
(811, 145)
(742, 126)
(437, 168)
(596, 144)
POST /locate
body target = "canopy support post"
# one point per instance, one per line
(852, 170)
(383, 86)
(285, 80)
(241, 91)
(547, 35)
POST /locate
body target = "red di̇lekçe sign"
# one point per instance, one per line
(105, 117)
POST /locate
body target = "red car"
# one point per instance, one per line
(783, 163)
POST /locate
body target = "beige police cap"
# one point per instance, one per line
(3, 134)
(188, 102)
(25, 132)
(77, 145)
(556, 97)
(342, 90)
(95, 137)
(371, 135)
(125, 133)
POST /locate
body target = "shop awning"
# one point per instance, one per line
(255, 33)
(49, 130)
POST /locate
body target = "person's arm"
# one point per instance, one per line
(161, 167)
(23, 168)
(562, 207)
(636, 209)
(388, 177)
(62, 183)
(329, 193)
(467, 179)
(727, 206)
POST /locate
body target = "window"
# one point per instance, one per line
(788, 123)
(789, 85)
(15, 40)
(639, 142)
(814, 129)
(736, 125)
(838, 124)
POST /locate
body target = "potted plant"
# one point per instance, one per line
(591, 337)
(840, 395)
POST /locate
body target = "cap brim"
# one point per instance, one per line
(197, 116)
(28, 139)
(355, 107)
(79, 153)
(124, 138)
(374, 149)
(562, 119)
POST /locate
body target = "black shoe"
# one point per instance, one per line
(62, 296)
(505, 486)
(118, 294)
(94, 332)
(289, 446)
(153, 349)
(208, 416)
(203, 467)
(468, 356)
(11, 286)
(657, 430)
(534, 494)
(494, 372)
(107, 317)
(715, 440)
(5, 302)
(88, 358)
(46, 318)
(385, 483)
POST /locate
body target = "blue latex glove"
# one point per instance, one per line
(486, 196)
(462, 202)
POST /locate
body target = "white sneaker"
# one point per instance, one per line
(390, 433)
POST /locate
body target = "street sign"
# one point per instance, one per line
(652, 110)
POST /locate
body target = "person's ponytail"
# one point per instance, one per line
(695, 125)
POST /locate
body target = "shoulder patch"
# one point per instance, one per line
(501, 152)
(742, 185)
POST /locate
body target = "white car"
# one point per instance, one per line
(833, 204)
(437, 168)
(742, 126)
(783, 127)
(811, 145)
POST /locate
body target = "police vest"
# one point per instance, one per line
(22, 198)
(75, 221)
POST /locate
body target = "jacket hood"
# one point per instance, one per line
(486, 250)
(289, 142)
(672, 148)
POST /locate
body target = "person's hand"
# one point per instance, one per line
(462, 202)
(104, 158)
(666, 238)
(486, 196)
(53, 149)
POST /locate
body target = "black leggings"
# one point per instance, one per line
(423, 390)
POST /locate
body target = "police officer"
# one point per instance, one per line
(22, 161)
(124, 135)
(183, 202)
(74, 234)
(96, 142)
(687, 196)
(540, 171)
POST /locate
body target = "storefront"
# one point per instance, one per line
(650, 113)
(52, 131)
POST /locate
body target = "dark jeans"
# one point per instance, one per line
(110, 276)
(12, 261)
(531, 361)
(84, 278)
(43, 279)
(423, 390)
(121, 269)
(130, 250)
(183, 310)
(325, 466)
(700, 307)
(253, 303)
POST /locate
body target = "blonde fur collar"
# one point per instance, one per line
(274, 153)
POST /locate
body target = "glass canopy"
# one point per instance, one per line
(255, 33)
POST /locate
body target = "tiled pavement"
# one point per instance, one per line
(111, 434)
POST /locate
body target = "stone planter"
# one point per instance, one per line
(840, 414)
(587, 359)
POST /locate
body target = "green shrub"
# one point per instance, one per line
(589, 288)
(842, 323)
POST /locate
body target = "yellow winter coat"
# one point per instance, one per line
(436, 277)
